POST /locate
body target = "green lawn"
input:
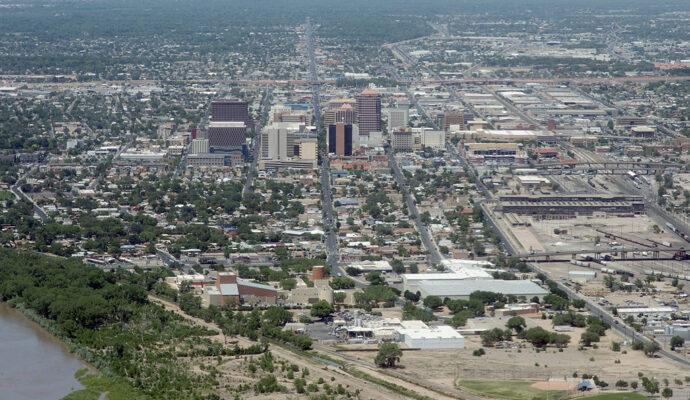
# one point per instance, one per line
(617, 396)
(511, 390)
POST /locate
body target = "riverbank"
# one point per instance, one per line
(35, 364)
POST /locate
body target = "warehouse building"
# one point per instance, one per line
(412, 282)
(417, 335)
(461, 289)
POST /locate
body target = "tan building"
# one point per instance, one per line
(402, 141)
(453, 118)
(309, 295)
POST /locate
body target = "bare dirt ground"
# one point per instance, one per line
(444, 367)
(555, 385)
(235, 370)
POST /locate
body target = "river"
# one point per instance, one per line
(34, 365)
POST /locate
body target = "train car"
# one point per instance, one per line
(580, 263)
(671, 227)
(624, 272)
(632, 174)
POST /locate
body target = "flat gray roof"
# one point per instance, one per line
(465, 288)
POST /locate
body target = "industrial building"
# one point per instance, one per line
(461, 289)
(571, 204)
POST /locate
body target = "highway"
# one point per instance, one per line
(256, 142)
(432, 250)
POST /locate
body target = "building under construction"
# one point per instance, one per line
(571, 204)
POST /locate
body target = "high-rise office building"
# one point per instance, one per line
(368, 108)
(397, 118)
(278, 144)
(402, 140)
(226, 136)
(230, 110)
(341, 139)
(453, 118)
(346, 114)
(200, 146)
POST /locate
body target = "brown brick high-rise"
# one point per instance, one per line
(368, 107)
(230, 110)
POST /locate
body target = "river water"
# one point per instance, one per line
(34, 365)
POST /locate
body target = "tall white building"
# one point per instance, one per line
(277, 144)
(200, 146)
(397, 118)
(433, 139)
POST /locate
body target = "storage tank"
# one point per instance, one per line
(318, 272)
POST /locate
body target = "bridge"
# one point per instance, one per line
(620, 253)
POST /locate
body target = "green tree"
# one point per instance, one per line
(388, 355)
(433, 302)
(374, 277)
(321, 309)
(339, 297)
(588, 337)
(677, 341)
(651, 348)
(538, 336)
(288, 283)
(667, 393)
(398, 266)
(516, 323)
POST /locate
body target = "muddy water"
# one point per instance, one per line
(34, 365)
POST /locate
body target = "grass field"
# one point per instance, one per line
(617, 396)
(115, 389)
(511, 390)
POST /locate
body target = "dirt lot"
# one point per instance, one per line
(526, 364)
(234, 371)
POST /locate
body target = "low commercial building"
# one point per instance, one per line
(532, 180)
(421, 336)
(642, 131)
(463, 288)
(645, 311)
(368, 266)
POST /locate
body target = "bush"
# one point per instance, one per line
(478, 352)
